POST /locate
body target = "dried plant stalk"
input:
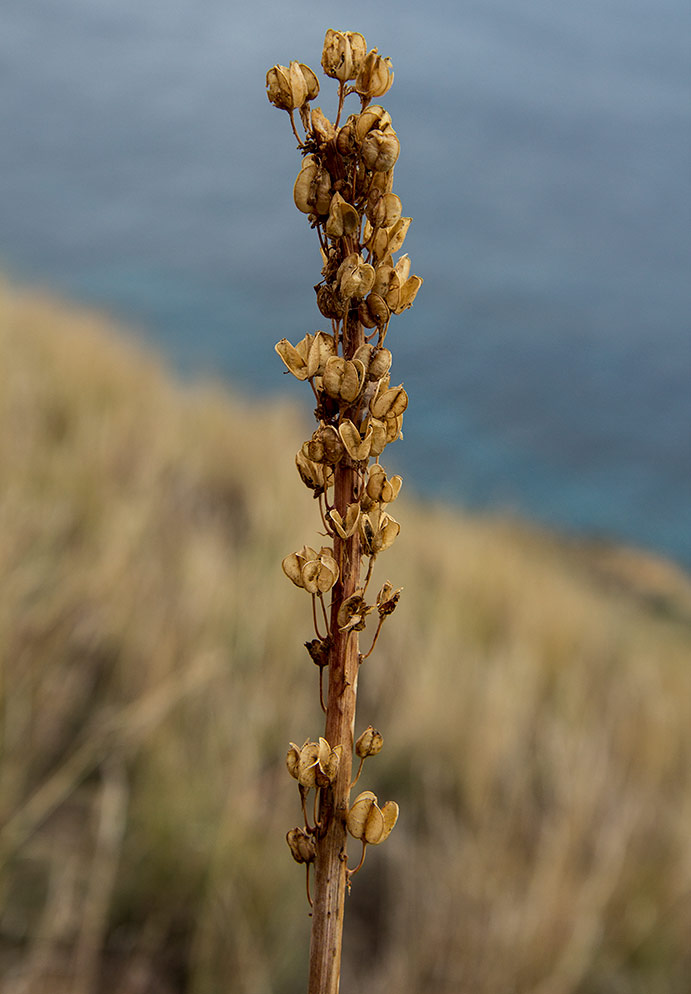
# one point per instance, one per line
(345, 188)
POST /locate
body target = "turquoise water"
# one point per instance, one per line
(546, 162)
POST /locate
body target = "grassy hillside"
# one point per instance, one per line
(535, 698)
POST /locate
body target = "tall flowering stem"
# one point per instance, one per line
(345, 187)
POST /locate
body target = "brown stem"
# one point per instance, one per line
(330, 862)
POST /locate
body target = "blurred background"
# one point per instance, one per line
(538, 733)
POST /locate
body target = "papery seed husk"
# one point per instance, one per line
(391, 402)
(301, 845)
(380, 150)
(311, 81)
(292, 358)
(374, 826)
(293, 569)
(358, 448)
(369, 743)
(408, 293)
(372, 118)
(359, 810)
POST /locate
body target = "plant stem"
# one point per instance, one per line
(331, 856)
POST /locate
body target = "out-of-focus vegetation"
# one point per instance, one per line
(536, 696)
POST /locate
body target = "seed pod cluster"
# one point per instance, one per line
(345, 189)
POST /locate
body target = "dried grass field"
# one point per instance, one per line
(536, 695)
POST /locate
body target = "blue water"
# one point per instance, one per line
(546, 162)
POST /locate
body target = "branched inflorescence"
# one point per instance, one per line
(345, 187)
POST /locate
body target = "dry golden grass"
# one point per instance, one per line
(538, 737)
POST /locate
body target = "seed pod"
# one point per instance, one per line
(369, 743)
(288, 88)
(357, 447)
(319, 575)
(343, 378)
(355, 277)
(380, 149)
(353, 612)
(329, 303)
(315, 476)
(383, 209)
(388, 240)
(375, 77)
(312, 190)
(372, 118)
(347, 526)
(367, 821)
(343, 219)
(408, 293)
(319, 651)
(343, 54)
(292, 564)
(387, 599)
(346, 141)
(301, 845)
(392, 401)
(380, 489)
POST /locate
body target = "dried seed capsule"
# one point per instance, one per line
(374, 117)
(343, 54)
(329, 303)
(301, 845)
(319, 651)
(367, 821)
(369, 743)
(288, 88)
(343, 378)
(375, 77)
(312, 190)
(380, 149)
(355, 277)
(343, 219)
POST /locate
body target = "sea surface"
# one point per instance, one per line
(546, 158)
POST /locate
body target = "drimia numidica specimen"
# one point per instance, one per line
(345, 187)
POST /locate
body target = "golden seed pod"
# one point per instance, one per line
(375, 77)
(408, 293)
(383, 209)
(292, 564)
(379, 488)
(387, 240)
(374, 117)
(325, 445)
(343, 54)
(301, 845)
(312, 189)
(343, 219)
(370, 823)
(353, 612)
(288, 88)
(388, 402)
(369, 743)
(380, 149)
(378, 531)
(316, 476)
(314, 764)
(357, 447)
(319, 575)
(355, 277)
(343, 378)
(347, 526)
